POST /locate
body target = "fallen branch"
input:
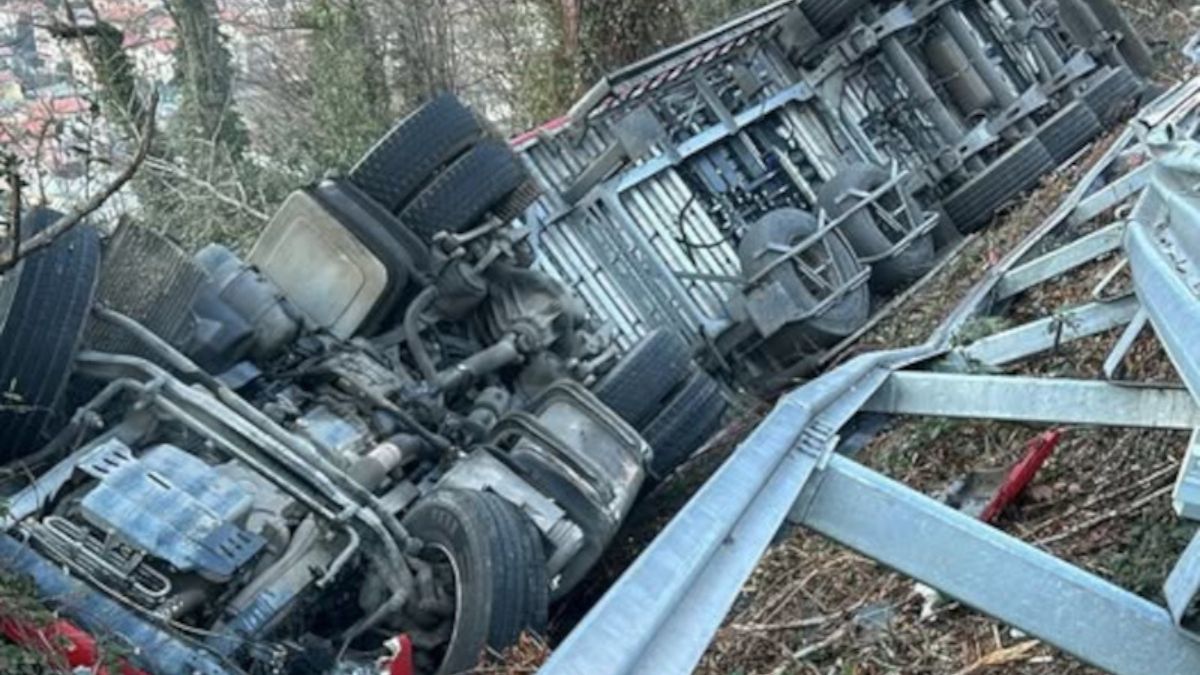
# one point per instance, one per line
(1112, 514)
(64, 224)
(813, 622)
(815, 648)
(1166, 472)
(1001, 657)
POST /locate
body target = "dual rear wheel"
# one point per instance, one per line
(441, 170)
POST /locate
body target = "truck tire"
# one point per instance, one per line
(518, 201)
(683, 425)
(1113, 96)
(396, 167)
(44, 306)
(478, 181)
(867, 237)
(783, 228)
(830, 16)
(499, 570)
(1069, 131)
(973, 205)
(637, 385)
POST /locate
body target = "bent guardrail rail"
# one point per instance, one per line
(661, 614)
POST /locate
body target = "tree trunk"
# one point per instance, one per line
(204, 73)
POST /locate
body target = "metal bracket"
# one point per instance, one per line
(1052, 332)
(1112, 364)
(1078, 67)
(1029, 102)
(866, 38)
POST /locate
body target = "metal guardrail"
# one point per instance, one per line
(661, 614)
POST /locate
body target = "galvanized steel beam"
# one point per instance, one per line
(997, 574)
(1185, 498)
(1052, 332)
(1129, 185)
(1078, 252)
(1163, 245)
(1032, 399)
(1112, 363)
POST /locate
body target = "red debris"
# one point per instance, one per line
(521, 139)
(61, 641)
(1021, 475)
(402, 662)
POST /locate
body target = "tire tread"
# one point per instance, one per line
(647, 374)
(473, 184)
(973, 205)
(685, 423)
(55, 292)
(411, 153)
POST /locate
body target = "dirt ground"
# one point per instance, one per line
(1102, 501)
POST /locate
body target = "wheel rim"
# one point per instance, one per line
(440, 651)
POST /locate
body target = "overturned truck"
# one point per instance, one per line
(765, 188)
(417, 412)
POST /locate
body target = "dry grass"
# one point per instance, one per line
(523, 658)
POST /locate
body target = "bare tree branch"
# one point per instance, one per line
(63, 225)
(165, 167)
(37, 153)
(13, 173)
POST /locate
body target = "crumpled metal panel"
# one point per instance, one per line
(1163, 243)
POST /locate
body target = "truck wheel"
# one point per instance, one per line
(783, 228)
(1113, 95)
(973, 205)
(864, 232)
(689, 419)
(518, 201)
(491, 554)
(829, 16)
(478, 181)
(636, 386)
(411, 153)
(44, 305)
(1069, 130)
